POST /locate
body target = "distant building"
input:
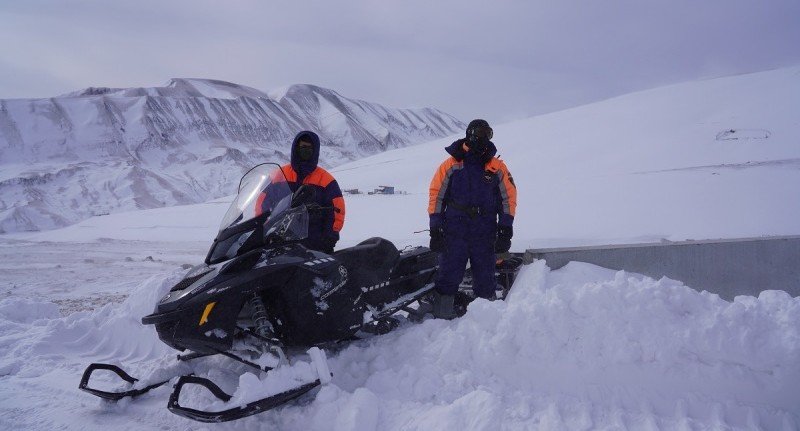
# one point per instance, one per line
(383, 190)
(352, 191)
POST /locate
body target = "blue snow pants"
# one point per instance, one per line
(468, 239)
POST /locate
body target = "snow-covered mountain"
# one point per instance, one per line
(102, 150)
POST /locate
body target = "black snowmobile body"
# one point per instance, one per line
(310, 298)
(260, 286)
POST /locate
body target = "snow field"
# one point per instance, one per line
(578, 348)
(642, 166)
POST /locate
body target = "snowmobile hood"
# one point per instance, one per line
(305, 167)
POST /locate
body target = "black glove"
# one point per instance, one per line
(437, 239)
(503, 242)
(328, 243)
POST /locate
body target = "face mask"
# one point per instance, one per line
(478, 145)
(304, 153)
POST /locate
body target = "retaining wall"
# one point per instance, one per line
(728, 268)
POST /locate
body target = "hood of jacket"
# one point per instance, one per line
(305, 167)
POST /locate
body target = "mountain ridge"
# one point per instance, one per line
(187, 142)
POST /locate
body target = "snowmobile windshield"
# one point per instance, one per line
(262, 189)
(262, 214)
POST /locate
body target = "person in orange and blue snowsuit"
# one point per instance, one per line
(472, 203)
(324, 224)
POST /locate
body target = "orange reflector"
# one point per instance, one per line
(206, 312)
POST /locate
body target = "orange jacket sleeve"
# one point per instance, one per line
(508, 195)
(438, 191)
(332, 194)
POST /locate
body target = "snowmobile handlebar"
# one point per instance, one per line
(303, 195)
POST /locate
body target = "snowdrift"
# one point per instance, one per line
(578, 348)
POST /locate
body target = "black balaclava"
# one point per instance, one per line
(479, 135)
(304, 164)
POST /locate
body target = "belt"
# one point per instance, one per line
(472, 211)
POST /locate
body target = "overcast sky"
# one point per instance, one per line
(499, 60)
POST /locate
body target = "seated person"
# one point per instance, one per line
(325, 223)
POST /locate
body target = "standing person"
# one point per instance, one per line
(324, 224)
(472, 204)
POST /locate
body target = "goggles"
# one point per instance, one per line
(482, 132)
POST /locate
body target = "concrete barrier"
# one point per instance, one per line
(728, 268)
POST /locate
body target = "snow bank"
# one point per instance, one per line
(112, 333)
(578, 348)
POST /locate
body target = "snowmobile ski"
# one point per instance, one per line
(318, 360)
(113, 396)
(116, 396)
(234, 413)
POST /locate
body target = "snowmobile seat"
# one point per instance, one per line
(373, 258)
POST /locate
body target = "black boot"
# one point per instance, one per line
(444, 306)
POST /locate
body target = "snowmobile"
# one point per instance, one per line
(261, 290)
